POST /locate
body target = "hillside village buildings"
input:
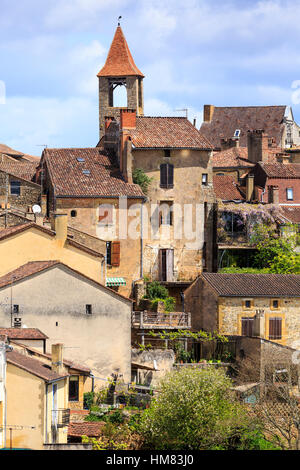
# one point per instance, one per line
(84, 231)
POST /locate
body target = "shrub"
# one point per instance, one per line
(139, 177)
(154, 290)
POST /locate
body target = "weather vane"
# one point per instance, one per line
(119, 20)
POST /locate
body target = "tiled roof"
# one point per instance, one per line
(281, 170)
(226, 188)
(34, 267)
(6, 150)
(292, 213)
(226, 120)
(22, 169)
(87, 428)
(23, 333)
(119, 62)
(34, 366)
(167, 132)
(232, 157)
(254, 285)
(103, 178)
(10, 231)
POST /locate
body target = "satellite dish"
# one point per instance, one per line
(36, 209)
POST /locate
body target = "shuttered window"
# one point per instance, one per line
(166, 175)
(275, 328)
(115, 253)
(247, 326)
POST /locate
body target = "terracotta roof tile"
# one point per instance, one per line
(103, 179)
(119, 62)
(226, 120)
(34, 366)
(26, 270)
(226, 188)
(167, 132)
(281, 170)
(254, 285)
(292, 213)
(232, 157)
(87, 428)
(22, 169)
(23, 333)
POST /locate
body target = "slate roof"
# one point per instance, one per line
(119, 62)
(90, 429)
(227, 119)
(254, 285)
(232, 157)
(226, 188)
(104, 177)
(167, 132)
(23, 333)
(281, 170)
(34, 366)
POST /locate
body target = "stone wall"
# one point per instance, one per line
(30, 193)
(165, 358)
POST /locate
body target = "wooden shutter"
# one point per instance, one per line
(163, 175)
(115, 253)
(247, 326)
(170, 176)
(275, 328)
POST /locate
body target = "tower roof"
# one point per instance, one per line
(119, 62)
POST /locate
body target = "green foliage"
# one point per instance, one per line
(88, 400)
(196, 335)
(169, 303)
(195, 410)
(154, 290)
(139, 177)
(117, 417)
(234, 269)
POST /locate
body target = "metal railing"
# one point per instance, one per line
(147, 319)
(61, 417)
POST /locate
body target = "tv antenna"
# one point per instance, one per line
(120, 17)
(185, 110)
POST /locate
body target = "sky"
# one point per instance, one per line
(192, 52)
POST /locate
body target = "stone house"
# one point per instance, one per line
(263, 305)
(91, 320)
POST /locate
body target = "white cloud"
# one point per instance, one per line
(72, 122)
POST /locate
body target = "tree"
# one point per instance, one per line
(139, 177)
(195, 409)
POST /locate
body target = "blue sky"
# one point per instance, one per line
(193, 52)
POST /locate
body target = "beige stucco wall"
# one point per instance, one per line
(62, 403)
(230, 311)
(189, 165)
(55, 302)
(34, 245)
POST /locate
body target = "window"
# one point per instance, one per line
(166, 175)
(247, 304)
(166, 213)
(86, 172)
(108, 253)
(74, 388)
(16, 309)
(15, 188)
(275, 303)
(204, 179)
(88, 309)
(247, 326)
(275, 328)
(73, 213)
(167, 153)
(289, 194)
(17, 322)
(80, 159)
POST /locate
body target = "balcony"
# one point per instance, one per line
(158, 320)
(60, 417)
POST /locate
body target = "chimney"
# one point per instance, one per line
(273, 192)
(127, 119)
(249, 188)
(208, 112)
(258, 146)
(194, 122)
(57, 358)
(59, 224)
(229, 143)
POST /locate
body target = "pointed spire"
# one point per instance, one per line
(119, 62)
